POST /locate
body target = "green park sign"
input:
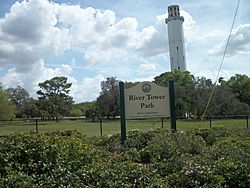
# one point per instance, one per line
(146, 100)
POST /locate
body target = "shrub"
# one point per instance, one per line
(234, 173)
(197, 158)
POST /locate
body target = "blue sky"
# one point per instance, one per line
(90, 40)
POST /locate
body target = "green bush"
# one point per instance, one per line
(138, 139)
(196, 158)
(42, 157)
(234, 173)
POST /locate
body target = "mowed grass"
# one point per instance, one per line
(112, 127)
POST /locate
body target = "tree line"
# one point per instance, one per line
(231, 97)
(53, 101)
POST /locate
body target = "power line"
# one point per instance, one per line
(222, 61)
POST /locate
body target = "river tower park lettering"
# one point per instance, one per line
(148, 98)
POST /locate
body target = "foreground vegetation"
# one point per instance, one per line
(215, 157)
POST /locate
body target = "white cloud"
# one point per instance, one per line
(189, 26)
(63, 70)
(95, 56)
(104, 37)
(122, 34)
(37, 29)
(29, 32)
(215, 34)
(146, 67)
(29, 80)
(6, 49)
(239, 42)
(141, 79)
(156, 40)
(12, 79)
(88, 90)
(54, 28)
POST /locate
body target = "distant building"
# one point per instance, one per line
(176, 39)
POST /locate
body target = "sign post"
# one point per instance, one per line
(172, 104)
(122, 113)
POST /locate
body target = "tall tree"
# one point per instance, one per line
(225, 102)
(7, 109)
(240, 84)
(92, 112)
(54, 97)
(201, 94)
(184, 90)
(108, 101)
(30, 109)
(20, 97)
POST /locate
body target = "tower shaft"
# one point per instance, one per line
(176, 39)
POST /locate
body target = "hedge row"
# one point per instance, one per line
(196, 158)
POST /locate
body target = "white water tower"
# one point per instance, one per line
(176, 39)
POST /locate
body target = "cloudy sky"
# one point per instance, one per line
(90, 40)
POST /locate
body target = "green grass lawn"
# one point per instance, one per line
(111, 127)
